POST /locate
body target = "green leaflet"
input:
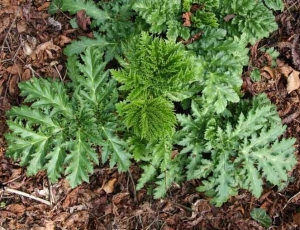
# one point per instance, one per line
(59, 130)
(261, 216)
(150, 119)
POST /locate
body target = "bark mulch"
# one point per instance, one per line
(32, 43)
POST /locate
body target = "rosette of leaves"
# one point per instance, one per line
(235, 149)
(155, 72)
(64, 123)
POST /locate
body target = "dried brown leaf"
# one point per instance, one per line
(44, 6)
(21, 26)
(27, 49)
(118, 198)
(4, 23)
(187, 19)
(71, 198)
(26, 75)
(293, 81)
(296, 51)
(110, 185)
(6, 214)
(18, 209)
(79, 219)
(296, 218)
(13, 85)
(269, 71)
(63, 40)
(83, 20)
(16, 69)
(228, 17)
(285, 70)
(61, 217)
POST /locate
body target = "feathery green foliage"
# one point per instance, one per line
(155, 68)
(58, 131)
(111, 23)
(179, 66)
(155, 72)
(235, 150)
(251, 18)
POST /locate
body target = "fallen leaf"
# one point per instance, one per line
(293, 81)
(62, 40)
(79, 219)
(228, 17)
(47, 46)
(61, 217)
(296, 51)
(44, 6)
(49, 225)
(187, 19)
(21, 26)
(83, 20)
(269, 70)
(56, 24)
(285, 70)
(71, 198)
(4, 23)
(6, 214)
(26, 75)
(110, 185)
(119, 197)
(13, 85)
(18, 209)
(15, 69)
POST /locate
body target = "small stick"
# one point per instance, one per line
(134, 189)
(26, 195)
(9, 29)
(293, 197)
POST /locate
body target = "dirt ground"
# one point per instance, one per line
(32, 43)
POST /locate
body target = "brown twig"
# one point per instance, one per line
(10, 190)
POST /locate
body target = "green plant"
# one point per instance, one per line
(64, 122)
(111, 23)
(236, 148)
(261, 216)
(173, 103)
(155, 72)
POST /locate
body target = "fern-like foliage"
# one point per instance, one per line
(59, 130)
(237, 153)
(155, 68)
(155, 72)
(163, 17)
(111, 22)
(176, 55)
(251, 18)
(223, 59)
(158, 165)
(155, 116)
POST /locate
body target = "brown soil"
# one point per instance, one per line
(31, 45)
